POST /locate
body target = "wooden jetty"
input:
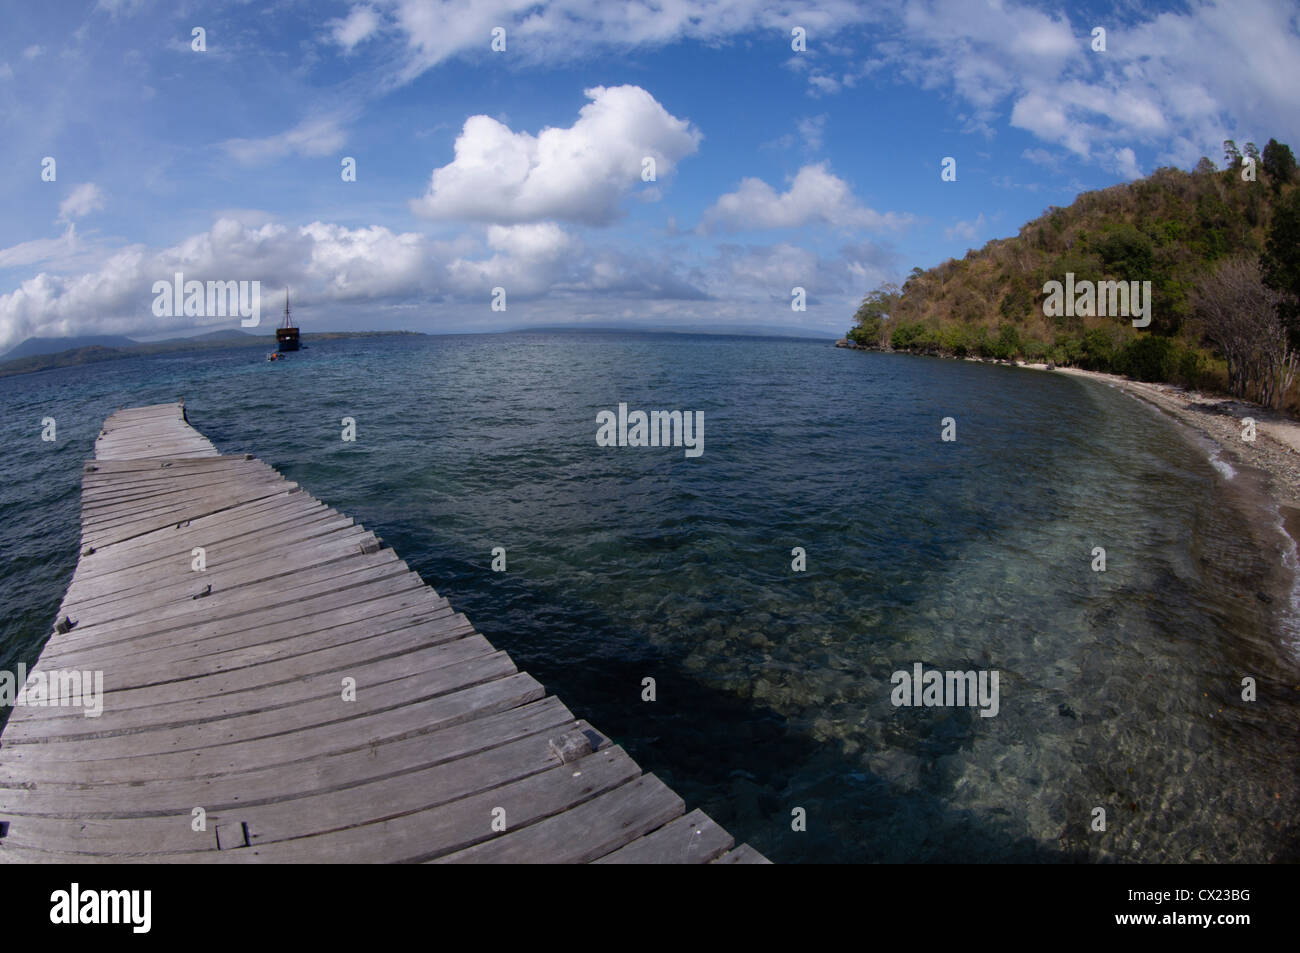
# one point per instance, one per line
(226, 733)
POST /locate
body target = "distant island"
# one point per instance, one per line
(40, 354)
(34, 347)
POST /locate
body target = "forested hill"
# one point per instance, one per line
(1175, 229)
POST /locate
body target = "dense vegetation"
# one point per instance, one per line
(1221, 249)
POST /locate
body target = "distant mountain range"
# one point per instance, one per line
(34, 346)
(39, 354)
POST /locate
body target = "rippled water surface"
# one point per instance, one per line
(1118, 689)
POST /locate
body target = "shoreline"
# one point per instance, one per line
(1270, 466)
(1275, 451)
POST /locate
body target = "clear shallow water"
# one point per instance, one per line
(1118, 689)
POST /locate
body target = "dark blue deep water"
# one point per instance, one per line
(1118, 690)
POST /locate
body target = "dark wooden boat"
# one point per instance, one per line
(286, 335)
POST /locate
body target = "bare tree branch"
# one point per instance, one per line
(1239, 313)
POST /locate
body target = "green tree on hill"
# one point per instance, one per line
(1279, 164)
(869, 321)
(1231, 154)
(1281, 260)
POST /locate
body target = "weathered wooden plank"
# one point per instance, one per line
(116, 513)
(585, 831)
(692, 839)
(325, 705)
(434, 743)
(98, 468)
(140, 527)
(309, 797)
(124, 506)
(275, 625)
(744, 854)
(137, 433)
(209, 750)
(193, 624)
(226, 563)
(344, 791)
(137, 451)
(141, 444)
(225, 497)
(315, 560)
(427, 625)
(168, 557)
(230, 527)
(262, 687)
(125, 489)
(426, 834)
(419, 835)
(131, 441)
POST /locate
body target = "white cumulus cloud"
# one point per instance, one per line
(528, 260)
(816, 196)
(575, 174)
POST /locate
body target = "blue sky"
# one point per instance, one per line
(522, 168)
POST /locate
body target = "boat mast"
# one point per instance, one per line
(286, 309)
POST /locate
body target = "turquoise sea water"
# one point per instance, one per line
(1118, 690)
